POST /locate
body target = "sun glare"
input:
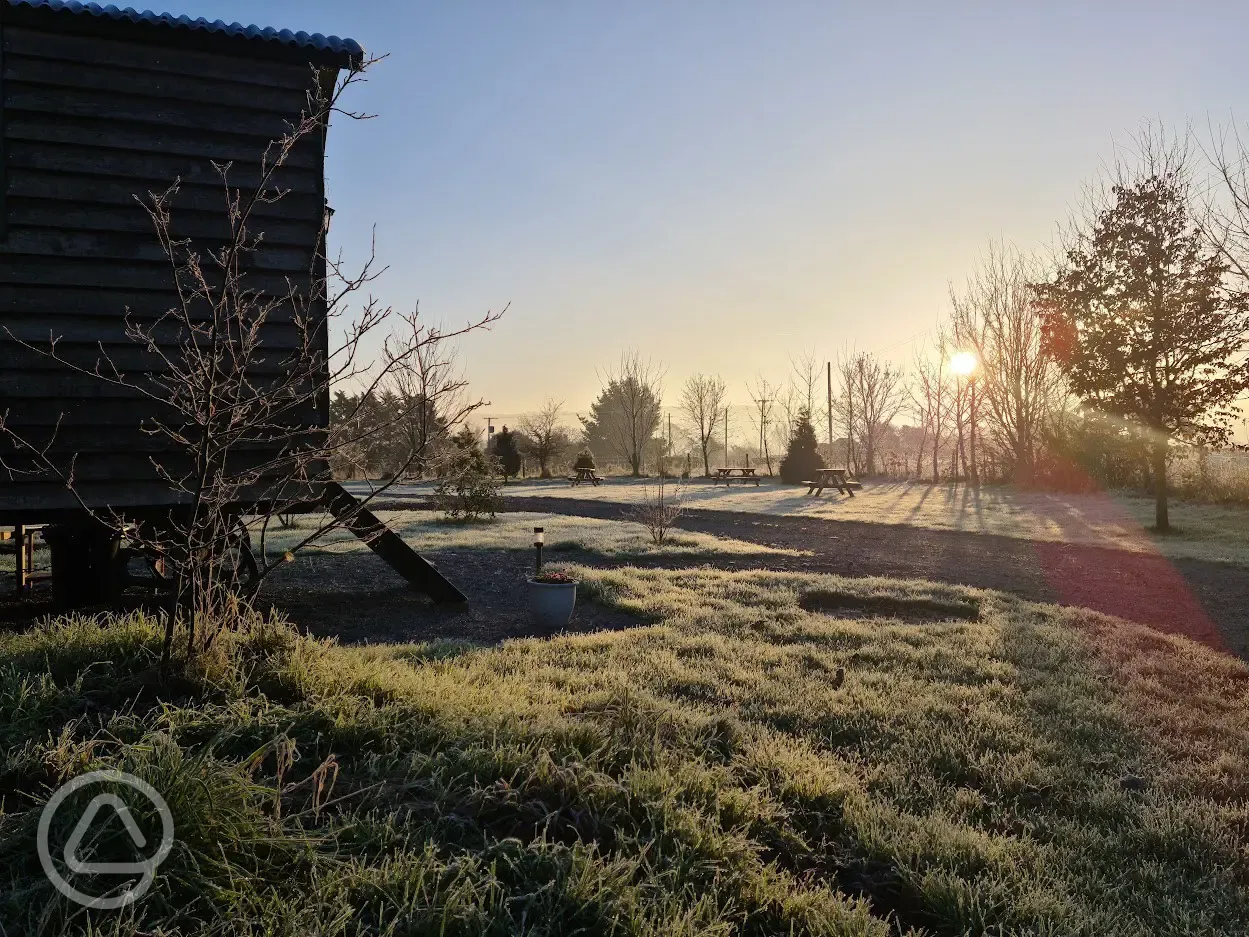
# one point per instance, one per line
(963, 363)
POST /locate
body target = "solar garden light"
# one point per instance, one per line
(537, 545)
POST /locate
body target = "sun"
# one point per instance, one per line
(963, 363)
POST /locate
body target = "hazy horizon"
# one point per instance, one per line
(725, 185)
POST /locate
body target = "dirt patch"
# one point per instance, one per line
(886, 606)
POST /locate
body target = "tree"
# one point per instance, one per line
(357, 436)
(845, 406)
(802, 458)
(468, 490)
(881, 393)
(624, 418)
(702, 404)
(806, 379)
(421, 390)
(786, 406)
(506, 451)
(659, 509)
(764, 397)
(547, 439)
(1019, 386)
(1141, 319)
(933, 395)
(872, 394)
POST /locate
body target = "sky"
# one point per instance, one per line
(723, 185)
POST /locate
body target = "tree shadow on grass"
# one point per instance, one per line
(905, 608)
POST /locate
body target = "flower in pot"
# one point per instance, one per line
(552, 597)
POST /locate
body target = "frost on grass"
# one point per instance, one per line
(1107, 519)
(706, 773)
(424, 530)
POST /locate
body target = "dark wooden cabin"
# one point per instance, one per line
(101, 105)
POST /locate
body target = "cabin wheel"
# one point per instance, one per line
(237, 568)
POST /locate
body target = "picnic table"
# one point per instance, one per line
(831, 478)
(584, 475)
(732, 474)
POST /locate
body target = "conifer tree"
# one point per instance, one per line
(802, 459)
(506, 451)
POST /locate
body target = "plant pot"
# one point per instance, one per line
(552, 602)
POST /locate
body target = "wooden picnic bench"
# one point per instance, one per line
(831, 478)
(584, 475)
(732, 474)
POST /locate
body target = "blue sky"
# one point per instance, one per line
(724, 184)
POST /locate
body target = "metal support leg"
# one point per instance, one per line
(21, 562)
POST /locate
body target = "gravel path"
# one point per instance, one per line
(1204, 600)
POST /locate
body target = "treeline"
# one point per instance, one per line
(385, 428)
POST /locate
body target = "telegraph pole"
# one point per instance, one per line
(830, 413)
(761, 429)
(668, 450)
(726, 434)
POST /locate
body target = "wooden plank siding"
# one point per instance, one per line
(88, 124)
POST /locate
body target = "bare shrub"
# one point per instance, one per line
(662, 504)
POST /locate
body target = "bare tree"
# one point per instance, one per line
(870, 396)
(847, 415)
(969, 337)
(879, 392)
(931, 402)
(1019, 388)
(786, 406)
(242, 424)
(764, 396)
(702, 404)
(921, 407)
(426, 387)
(805, 375)
(547, 439)
(1223, 212)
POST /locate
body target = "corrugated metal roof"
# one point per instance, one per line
(298, 40)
